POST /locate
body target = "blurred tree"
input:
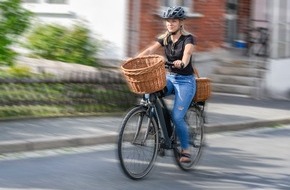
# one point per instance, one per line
(55, 42)
(14, 20)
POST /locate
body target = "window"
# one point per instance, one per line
(188, 6)
(170, 3)
(30, 1)
(56, 1)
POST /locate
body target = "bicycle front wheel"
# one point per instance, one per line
(137, 143)
(195, 122)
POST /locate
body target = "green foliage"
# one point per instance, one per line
(19, 71)
(14, 20)
(29, 111)
(55, 42)
(59, 99)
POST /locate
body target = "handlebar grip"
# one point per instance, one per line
(170, 64)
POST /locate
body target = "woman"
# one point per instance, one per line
(178, 45)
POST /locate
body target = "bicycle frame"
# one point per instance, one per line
(159, 110)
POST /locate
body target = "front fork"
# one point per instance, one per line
(149, 129)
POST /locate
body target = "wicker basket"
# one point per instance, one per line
(203, 88)
(145, 74)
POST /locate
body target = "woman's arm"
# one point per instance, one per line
(188, 51)
(150, 50)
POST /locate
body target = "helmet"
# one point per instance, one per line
(174, 12)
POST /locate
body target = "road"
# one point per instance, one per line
(251, 159)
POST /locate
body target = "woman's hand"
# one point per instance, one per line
(178, 64)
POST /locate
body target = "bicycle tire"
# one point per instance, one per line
(137, 143)
(195, 121)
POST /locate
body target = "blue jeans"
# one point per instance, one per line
(184, 87)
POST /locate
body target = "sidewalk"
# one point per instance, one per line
(224, 113)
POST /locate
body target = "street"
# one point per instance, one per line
(249, 159)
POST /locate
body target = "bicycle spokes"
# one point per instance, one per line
(137, 143)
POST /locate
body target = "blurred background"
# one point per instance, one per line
(62, 57)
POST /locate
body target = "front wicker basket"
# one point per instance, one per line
(145, 74)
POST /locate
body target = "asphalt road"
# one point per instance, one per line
(250, 159)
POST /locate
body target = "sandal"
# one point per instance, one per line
(185, 158)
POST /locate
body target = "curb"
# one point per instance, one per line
(245, 125)
(89, 140)
(60, 142)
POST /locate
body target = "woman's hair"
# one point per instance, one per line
(165, 35)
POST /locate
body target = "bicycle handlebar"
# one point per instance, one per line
(170, 64)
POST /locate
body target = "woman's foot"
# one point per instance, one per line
(185, 157)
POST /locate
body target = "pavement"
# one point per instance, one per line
(223, 113)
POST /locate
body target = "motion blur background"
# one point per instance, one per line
(67, 58)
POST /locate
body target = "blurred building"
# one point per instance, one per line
(215, 23)
(128, 26)
(274, 16)
(277, 14)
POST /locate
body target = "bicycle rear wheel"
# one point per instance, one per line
(137, 143)
(195, 123)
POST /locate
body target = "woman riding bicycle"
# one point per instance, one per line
(178, 46)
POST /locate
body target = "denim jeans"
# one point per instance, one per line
(184, 87)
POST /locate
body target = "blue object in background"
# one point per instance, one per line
(240, 44)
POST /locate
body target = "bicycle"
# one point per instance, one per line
(147, 131)
(258, 42)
